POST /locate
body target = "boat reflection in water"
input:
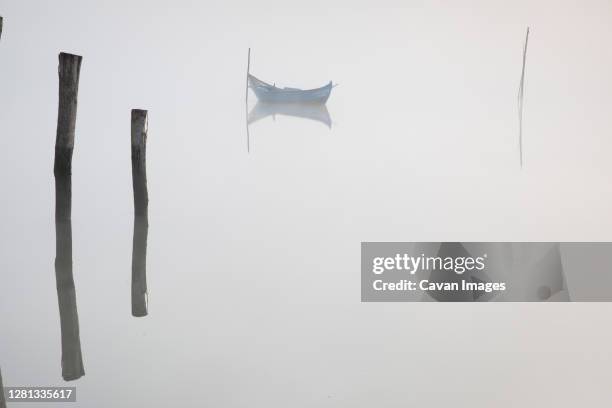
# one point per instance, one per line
(314, 111)
(72, 359)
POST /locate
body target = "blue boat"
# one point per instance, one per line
(268, 93)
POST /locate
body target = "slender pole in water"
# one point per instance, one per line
(69, 72)
(2, 401)
(247, 77)
(521, 94)
(246, 103)
(141, 221)
(0, 26)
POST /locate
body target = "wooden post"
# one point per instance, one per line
(2, 401)
(69, 72)
(141, 203)
(72, 360)
(246, 101)
(521, 95)
(246, 98)
(0, 26)
(139, 161)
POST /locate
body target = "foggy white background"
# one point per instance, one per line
(253, 259)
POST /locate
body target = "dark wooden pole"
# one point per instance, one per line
(0, 26)
(69, 72)
(139, 161)
(2, 401)
(72, 360)
(141, 203)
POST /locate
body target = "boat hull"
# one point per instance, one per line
(320, 95)
(271, 94)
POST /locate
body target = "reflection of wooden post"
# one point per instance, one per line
(141, 223)
(139, 267)
(2, 401)
(72, 360)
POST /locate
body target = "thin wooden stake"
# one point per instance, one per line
(141, 221)
(0, 26)
(72, 359)
(2, 401)
(247, 77)
(246, 103)
(521, 95)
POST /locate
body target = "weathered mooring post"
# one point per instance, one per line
(139, 161)
(2, 401)
(69, 71)
(141, 221)
(72, 360)
(0, 26)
